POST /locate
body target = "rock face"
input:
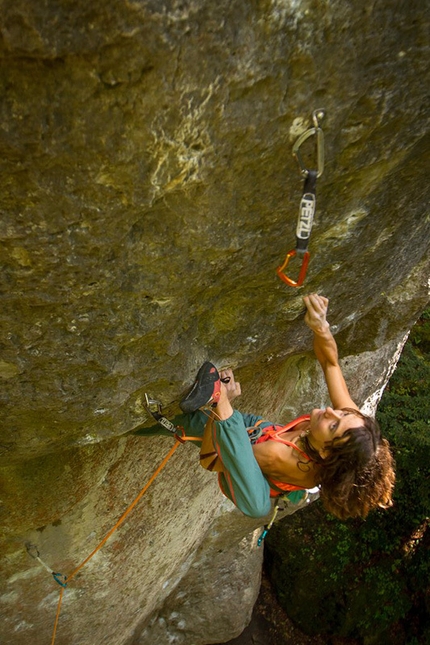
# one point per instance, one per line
(148, 194)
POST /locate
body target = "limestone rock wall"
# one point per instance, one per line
(148, 194)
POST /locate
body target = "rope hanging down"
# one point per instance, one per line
(62, 579)
(307, 202)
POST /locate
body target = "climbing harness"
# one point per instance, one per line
(154, 407)
(307, 202)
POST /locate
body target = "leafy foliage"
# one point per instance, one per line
(369, 579)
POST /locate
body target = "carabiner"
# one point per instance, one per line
(302, 272)
(317, 116)
(60, 578)
(152, 405)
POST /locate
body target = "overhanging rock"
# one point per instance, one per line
(148, 195)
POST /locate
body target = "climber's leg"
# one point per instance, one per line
(242, 480)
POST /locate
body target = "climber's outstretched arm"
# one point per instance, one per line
(326, 351)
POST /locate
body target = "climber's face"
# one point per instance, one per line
(327, 424)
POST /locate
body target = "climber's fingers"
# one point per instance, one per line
(232, 386)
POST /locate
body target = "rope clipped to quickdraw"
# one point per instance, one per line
(61, 578)
(307, 202)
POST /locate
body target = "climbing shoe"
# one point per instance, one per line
(205, 391)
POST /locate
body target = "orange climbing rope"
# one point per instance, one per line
(67, 579)
(180, 437)
(57, 615)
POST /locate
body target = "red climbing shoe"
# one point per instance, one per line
(205, 391)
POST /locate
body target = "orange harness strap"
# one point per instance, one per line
(275, 433)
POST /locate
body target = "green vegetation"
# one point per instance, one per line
(369, 580)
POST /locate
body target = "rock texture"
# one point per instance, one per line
(148, 194)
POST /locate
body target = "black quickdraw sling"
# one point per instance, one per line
(307, 202)
(154, 407)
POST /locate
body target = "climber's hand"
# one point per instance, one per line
(316, 313)
(232, 387)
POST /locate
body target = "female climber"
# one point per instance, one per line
(337, 448)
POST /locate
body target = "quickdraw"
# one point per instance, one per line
(154, 407)
(33, 551)
(307, 202)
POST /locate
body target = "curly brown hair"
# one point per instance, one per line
(358, 473)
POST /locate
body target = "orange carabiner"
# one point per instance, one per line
(302, 272)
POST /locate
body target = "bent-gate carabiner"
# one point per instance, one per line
(302, 273)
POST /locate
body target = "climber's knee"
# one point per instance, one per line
(256, 509)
